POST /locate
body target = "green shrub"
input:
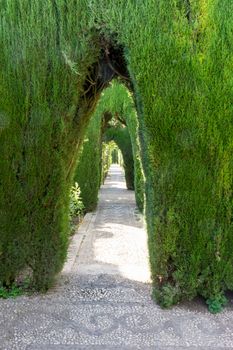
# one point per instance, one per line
(12, 292)
(217, 304)
(167, 296)
(76, 204)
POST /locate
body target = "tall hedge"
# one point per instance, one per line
(176, 57)
(88, 170)
(46, 100)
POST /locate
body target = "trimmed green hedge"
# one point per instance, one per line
(176, 57)
(44, 111)
(88, 170)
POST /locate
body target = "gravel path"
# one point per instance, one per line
(103, 300)
(117, 243)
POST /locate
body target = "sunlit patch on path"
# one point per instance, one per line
(117, 241)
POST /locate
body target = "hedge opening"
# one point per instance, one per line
(115, 119)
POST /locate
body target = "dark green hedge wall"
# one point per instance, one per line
(44, 111)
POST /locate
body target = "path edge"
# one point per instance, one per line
(76, 242)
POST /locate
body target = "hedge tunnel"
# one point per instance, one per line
(122, 138)
(175, 57)
(119, 125)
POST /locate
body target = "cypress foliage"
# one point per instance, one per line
(179, 70)
(41, 103)
(88, 170)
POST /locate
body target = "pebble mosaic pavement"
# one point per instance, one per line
(104, 302)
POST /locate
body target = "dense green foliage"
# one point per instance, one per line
(54, 59)
(76, 202)
(43, 116)
(114, 108)
(88, 170)
(13, 292)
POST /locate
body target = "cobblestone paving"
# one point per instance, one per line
(105, 302)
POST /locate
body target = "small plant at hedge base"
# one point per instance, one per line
(217, 304)
(76, 204)
(167, 296)
(11, 292)
(22, 285)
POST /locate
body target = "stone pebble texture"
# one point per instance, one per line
(104, 302)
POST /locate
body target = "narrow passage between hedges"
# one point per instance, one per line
(116, 242)
(101, 302)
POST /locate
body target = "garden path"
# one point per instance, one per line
(103, 298)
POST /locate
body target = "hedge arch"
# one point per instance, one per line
(65, 53)
(119, 100)
(120, 125)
